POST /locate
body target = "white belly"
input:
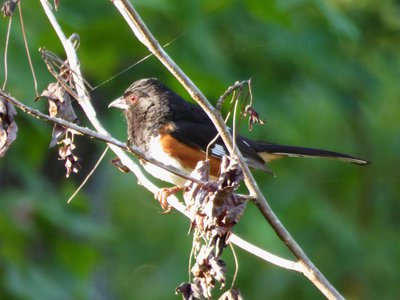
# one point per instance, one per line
(155, 150)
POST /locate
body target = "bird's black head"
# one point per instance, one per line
(140, 93)
(146, 108)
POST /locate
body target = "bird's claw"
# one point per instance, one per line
(162, 197)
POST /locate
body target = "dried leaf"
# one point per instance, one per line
(232, 294)
(8, 7)
(214, 209)
(60, 106)
(66, 153)
(189, 291)
(8, 127)
(218, 270)
(253, 117)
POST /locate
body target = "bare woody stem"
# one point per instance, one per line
(144, 35)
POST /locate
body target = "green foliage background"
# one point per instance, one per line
(325, 74)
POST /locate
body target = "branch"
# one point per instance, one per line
(284, 263)
(144, 35)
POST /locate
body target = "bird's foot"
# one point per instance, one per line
(162, 195)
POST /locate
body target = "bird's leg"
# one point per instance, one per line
(162, 195)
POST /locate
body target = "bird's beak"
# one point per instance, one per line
(118, 103)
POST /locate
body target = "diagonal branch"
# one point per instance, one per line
(144, 35)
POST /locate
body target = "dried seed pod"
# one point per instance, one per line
(8, 7)
(214, 209)
(66, 153)
(8, 127)
(60, 106)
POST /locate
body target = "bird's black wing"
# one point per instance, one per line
(199, 132)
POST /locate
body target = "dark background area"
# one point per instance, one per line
(325, 74)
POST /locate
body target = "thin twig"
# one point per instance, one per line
(229, 90)
(236, 265)
(235, 98)
(265, 255)
(6, 52)
(88, 175)
(27, 49)
(131, 66)
(144, 35)
(83, 96)
(54, 64)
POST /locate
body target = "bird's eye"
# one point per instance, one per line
(133, 98)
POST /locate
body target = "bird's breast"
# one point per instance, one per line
(157, 151)
(169, 151)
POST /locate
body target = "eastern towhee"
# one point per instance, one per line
(177, 133)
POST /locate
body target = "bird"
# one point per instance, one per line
(176, 132)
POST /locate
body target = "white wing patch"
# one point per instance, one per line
(218, 150)
(246, 143)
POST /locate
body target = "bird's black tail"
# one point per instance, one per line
(273, 151)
